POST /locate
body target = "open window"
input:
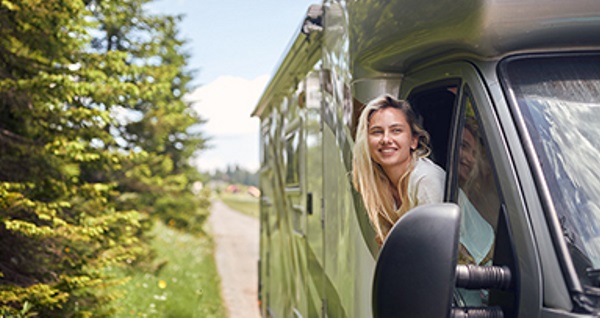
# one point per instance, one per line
(450, 113)
(435, 104)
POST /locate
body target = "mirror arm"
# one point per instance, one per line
(483, 277)
(477, 312)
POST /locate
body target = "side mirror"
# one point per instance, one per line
(415, 271)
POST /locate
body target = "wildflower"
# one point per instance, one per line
(162, 284)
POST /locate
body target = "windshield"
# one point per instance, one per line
(559, 98)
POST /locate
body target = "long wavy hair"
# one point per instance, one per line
(369, 177)
(471, 182)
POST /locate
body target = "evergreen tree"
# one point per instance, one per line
(158, 180)
(76, 183)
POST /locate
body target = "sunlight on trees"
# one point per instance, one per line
(78, 187)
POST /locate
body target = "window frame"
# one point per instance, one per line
(469, 76)
(549, 209)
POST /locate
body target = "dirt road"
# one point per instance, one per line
(236, 254)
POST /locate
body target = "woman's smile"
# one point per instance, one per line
(391, 140)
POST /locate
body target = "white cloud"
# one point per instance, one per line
(226, 104)
(241, 150)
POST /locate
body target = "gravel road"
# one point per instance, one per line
(236, 253)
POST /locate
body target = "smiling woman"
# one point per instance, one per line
(390, 166)
(391, 142)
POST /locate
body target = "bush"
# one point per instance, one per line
(185, 212)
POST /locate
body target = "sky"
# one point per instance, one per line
(235, 46)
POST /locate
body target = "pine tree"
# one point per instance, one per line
(159, 179)
(77, 183)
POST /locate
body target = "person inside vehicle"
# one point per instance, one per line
(391, 170)
(475, 177)
(476, 231)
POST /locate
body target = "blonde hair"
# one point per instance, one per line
(470, 182)
(369, 177)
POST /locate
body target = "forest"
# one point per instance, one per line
(95, 144)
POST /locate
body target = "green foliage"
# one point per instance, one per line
(79, 185)
(184, 284)
(187, 212)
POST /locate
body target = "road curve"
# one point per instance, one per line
(236, 254)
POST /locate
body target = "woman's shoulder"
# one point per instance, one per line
(426, 184)
(424, 167)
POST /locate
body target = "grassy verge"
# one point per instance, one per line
(241, 202)
(186, 286)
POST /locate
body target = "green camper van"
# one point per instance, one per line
(521, 78)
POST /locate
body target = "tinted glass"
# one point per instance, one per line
(478, 199)
(559, 98)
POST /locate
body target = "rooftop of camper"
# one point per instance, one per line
(392, 36)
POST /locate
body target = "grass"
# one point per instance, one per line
(241, 202)
(188, 285)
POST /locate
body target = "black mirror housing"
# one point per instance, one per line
(415, 271)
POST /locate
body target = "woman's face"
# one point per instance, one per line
(390, 139)
(468, 154)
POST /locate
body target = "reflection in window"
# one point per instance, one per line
(292, 144)
(478, 200)
(475, 170)
(265, 143)
(559, 98)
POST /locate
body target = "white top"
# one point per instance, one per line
(476, 234)
(426, 185)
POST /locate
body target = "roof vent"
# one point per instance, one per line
(313, 20)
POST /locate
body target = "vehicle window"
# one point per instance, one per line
(559, 98)
(293, 128)
(435, 108)
(292, 148)
(477, 197)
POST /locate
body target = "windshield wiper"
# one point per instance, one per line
(593, 275)
(589, 300)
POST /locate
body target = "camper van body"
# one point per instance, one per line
(523, 69)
